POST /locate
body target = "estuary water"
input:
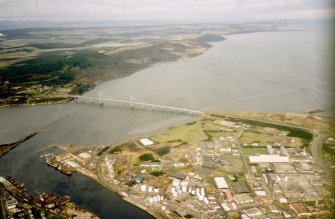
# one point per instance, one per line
(266, 71)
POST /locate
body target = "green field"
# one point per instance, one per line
(254, 151)
(293, 132)
(189, 133)
(209, 127)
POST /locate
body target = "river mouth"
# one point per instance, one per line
(246, 72)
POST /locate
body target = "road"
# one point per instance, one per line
(314, 149)
(237, 137)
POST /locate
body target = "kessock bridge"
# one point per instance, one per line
(136, 104)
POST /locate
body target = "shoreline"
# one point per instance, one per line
(13, 145)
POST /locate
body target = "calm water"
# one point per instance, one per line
(276, 71)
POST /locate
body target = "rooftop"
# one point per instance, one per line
(221, 183)
(146, 141)
(265, 158)
(176, 175)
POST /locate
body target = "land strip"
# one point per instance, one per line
(5, 148)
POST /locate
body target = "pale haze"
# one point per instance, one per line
(165, 10)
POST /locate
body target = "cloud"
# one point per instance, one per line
(160, 9)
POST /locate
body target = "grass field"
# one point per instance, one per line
(209, 127)
(250, 137)
(254, 151)
(189, 133)
(220, 134)
(293, 132)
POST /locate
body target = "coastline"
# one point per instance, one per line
(167, 52)
(10, 146)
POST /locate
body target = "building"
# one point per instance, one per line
(253, 212)
(240, 187)
(71, 163)
(146, 141)
(11, 203)
(151, 164)
(281, 198)
(283, 168)
(243, 199)
(273, 209)
(179, 164)
(286, 214)
(84, 155)
(265, 158)
(305, 167)
(228, 195)
(271, 131)
(260, 192)
(175, 175)
(140, 179)
(228, 123)
(221, 183)
(300, 209)
(229, 206)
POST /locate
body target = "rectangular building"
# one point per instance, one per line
(265, 158)
(221, 183)
(243, 199)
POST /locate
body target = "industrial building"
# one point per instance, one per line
(253, 212)
(221, 183)
(300, 209)
(179, 176)
(265, 158)
(283, 168)
(240, 187)
(243, 199)
(146, 141)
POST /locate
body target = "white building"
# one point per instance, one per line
(265, 158)
(84, 155)
(146, 141)
(71, 163)
(221, 183)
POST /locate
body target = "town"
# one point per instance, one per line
(216, 167)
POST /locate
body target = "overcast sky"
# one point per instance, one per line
(166, 10)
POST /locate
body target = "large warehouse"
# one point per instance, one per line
(264, 158)
(221, 183)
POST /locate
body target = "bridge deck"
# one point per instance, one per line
(142, 104)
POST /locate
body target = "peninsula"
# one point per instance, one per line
(5, 148)
(234, 165)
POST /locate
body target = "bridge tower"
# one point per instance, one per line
(132, 106)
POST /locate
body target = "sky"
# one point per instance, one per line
(165, 10)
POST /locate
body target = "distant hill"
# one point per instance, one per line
(210, 38)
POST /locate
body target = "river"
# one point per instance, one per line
(265, 71)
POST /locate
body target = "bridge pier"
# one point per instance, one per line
(100, 100)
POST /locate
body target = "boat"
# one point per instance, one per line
(65, 169)
(52, 162)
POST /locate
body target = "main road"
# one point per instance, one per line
(314, 149)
